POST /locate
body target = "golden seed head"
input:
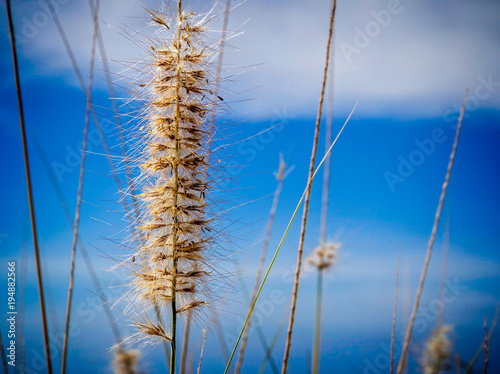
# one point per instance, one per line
(437, 351)
(175, 229)
(324, 256)
(125, 361)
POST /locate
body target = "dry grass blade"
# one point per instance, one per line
(307, 198)
(406, 343)
(29, 188)
(394, 313)
(279, 176)
(80, 188)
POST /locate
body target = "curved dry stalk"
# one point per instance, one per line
(328, 141)
(324, 217)
(80, 188)
(394, 313)
(29, 188)
(406, 343)
(307, 198)
(279, 176)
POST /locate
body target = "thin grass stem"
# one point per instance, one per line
(80, 189)
(307, 198)
(395, 312)
(317, 323)
(406, 343)
(270, 222)
(29, 189)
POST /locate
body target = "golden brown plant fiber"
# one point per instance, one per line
(171, 266)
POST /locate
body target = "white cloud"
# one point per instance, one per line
(417, 64)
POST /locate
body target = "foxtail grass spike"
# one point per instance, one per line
(175, 230)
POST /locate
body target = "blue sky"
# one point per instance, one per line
(409, 77)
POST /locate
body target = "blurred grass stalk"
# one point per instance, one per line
(280, 175)
(406, 343)
(80, 189)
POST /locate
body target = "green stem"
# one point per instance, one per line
(317, 323)
(175, 225)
